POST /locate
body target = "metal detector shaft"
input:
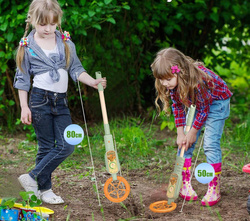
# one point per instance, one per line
(189, 122)
(176, 177)
(111, 157)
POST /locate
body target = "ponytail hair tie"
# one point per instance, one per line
(175, 69)
(65, 36)
(24, 41)
(28, 19)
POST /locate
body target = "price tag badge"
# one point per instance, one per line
(204, 173)
(73, 134)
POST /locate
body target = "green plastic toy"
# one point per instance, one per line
(175, 180)
(116, 188)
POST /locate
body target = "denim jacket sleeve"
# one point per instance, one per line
(75, 67)
(22, 80)
(36, 62)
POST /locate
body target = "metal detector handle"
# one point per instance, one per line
(190, 119)
(102, 99)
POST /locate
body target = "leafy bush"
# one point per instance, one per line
(120, 39)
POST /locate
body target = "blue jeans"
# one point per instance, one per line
(50, 117)
(218, 113)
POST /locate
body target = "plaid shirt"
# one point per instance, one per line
(219, 92)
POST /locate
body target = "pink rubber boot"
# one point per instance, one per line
(213, 196)
(187, 192)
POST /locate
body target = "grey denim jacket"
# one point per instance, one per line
(36, 62)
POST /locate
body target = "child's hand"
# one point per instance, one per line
(103, 82)
(180, 137)
(26, 115)
(191, 138)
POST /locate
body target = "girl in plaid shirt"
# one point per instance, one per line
(188, 82)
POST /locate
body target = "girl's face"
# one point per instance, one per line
(169, 83)
(46, 30)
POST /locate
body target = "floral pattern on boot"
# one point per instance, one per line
(212, 196)
(187, 192)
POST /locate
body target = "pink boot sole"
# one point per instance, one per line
(212, 203)
(188, 198)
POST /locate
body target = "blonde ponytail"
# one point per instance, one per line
(67, 50)
(20, 50)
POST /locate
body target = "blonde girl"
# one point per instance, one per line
(49, 56)
(183, 81)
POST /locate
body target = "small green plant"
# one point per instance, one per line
(167, 121)
(68, 216)
(29, 199)
(133, 141)
(102, 212)
(8, 203)
(31, 135)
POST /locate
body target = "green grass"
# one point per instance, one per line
(235, 142)
(133, 138)
(139, 148)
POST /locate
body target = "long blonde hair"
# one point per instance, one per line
(188, 79)
(38, 13)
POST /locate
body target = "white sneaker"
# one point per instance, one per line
(48, 196)
(28, 183)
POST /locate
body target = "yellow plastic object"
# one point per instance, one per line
(162, 207)
(38, 209)
(116, 190)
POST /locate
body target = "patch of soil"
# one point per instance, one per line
(81, 201)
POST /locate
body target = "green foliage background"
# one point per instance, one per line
(121, 38)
